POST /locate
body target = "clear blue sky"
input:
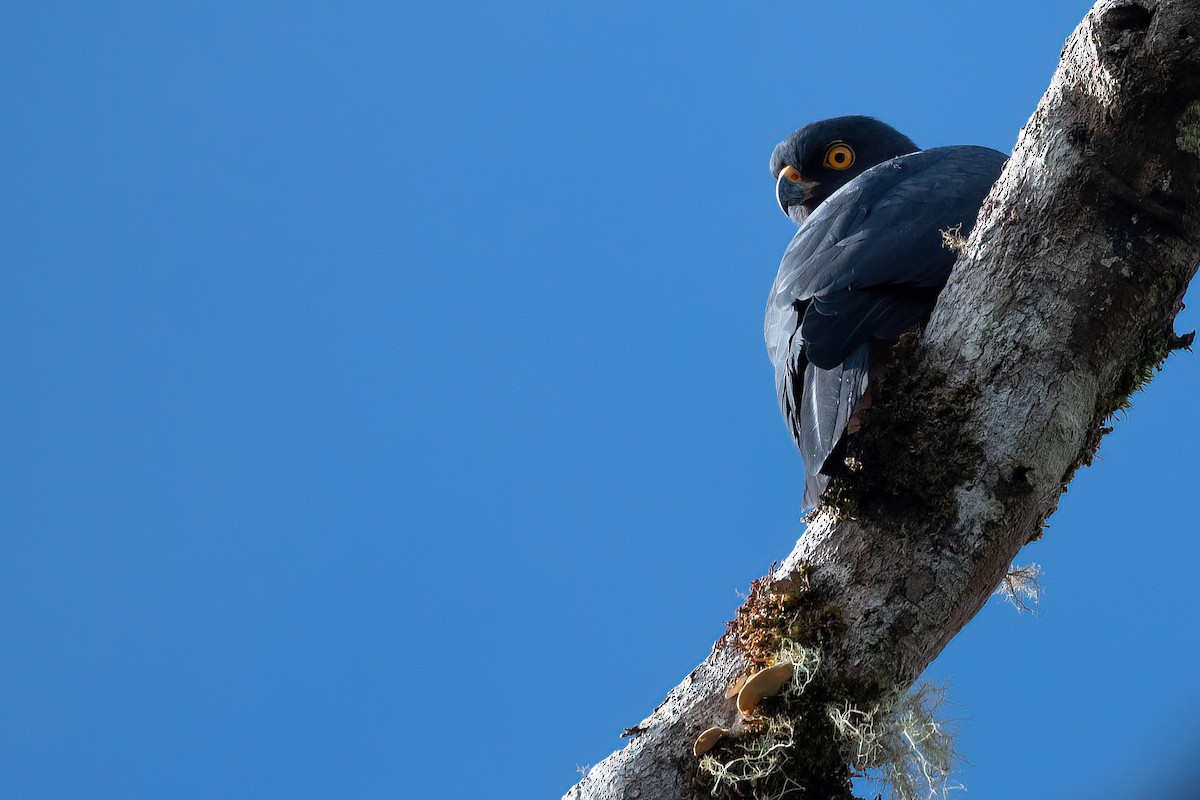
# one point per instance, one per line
(387, 413)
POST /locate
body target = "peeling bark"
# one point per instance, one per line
(1062, 305)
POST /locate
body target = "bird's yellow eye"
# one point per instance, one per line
(839, 156)
(792, 174)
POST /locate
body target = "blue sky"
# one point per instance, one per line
(387, 413)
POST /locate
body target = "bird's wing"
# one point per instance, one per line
(861, 254)
(838, 323)
(883, 227)
(867, 263)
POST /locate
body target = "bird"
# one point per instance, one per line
(865, 266)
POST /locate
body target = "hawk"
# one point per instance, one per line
(865, 266)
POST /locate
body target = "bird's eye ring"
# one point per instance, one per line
(839, 156)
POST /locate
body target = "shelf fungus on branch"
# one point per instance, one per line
(708, 740)
(764, 683)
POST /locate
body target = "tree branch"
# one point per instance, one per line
(1060, 308)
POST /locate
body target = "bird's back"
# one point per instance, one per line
(865, 266)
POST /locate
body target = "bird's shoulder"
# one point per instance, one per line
(940, 173)
(862, 232)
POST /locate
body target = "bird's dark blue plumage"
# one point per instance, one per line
(865, 266)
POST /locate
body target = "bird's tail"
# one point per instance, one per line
(830, 398)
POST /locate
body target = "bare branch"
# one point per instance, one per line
(1060, 307)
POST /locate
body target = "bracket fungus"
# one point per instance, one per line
(708, 739)
(763, 683)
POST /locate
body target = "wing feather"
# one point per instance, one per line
(867, 264)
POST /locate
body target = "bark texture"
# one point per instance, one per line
(1061, 306)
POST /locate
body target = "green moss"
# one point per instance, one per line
(1138, 372)
(806, 749)
(812, 754)
(1187, 129)
(815, 760)
(774, 611)
(914, 448)
(1132, 378)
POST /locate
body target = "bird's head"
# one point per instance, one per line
(822, 157)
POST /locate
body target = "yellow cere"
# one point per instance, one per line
(792, 174)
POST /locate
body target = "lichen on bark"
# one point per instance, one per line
(1061, 305)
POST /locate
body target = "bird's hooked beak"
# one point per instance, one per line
(792, 189)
